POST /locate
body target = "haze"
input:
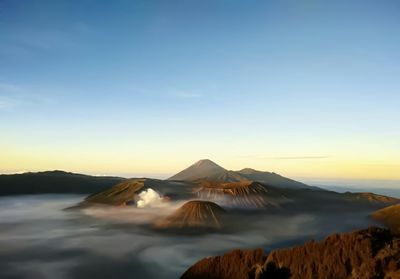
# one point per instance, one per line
(304, 88)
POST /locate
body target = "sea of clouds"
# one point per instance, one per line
(38, 239)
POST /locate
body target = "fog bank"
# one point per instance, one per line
(40, 240)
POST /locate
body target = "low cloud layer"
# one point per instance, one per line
(40, 240)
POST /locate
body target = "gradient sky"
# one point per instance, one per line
(304, 88)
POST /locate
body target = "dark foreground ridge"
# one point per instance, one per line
(368, 254)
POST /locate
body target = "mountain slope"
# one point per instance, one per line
(200, 169)
(270, 178)
(368, 254)
(120, 194)
(389, 216)
(243, 194)
(370, 197)
(54, 182)
(193, 215)
(208, 170)
(237, 264)
(226, 176)
(125, 192)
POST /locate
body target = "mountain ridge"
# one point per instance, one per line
(370, 253)
(54, 182)
(209, 170)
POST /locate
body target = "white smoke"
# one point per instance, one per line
(149, 198)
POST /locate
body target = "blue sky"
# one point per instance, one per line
(305, 88)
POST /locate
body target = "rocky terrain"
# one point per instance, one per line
(243, 194)
(370, 253)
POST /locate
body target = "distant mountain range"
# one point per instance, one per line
(54, 182)
(208, 170)
(59, 182)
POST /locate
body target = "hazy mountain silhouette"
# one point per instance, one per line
(208, 170)
(271, 178)
(369, 197)
(54, 182)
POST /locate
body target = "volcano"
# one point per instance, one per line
(243, 194)
(208, 170)
(119, 194)
(128, 192)
(194, 216)
(200, 169)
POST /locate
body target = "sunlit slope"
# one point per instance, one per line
(389, 216)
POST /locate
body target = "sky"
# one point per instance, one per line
(308, 89)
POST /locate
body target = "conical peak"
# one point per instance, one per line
(247, 170)
(206, 162)
(200, 169)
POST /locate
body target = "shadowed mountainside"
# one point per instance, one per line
(193, 216)
(371, 253)
(389, 216)
(54, 182)
(271, 178)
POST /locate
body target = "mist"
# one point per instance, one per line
(38, 239)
